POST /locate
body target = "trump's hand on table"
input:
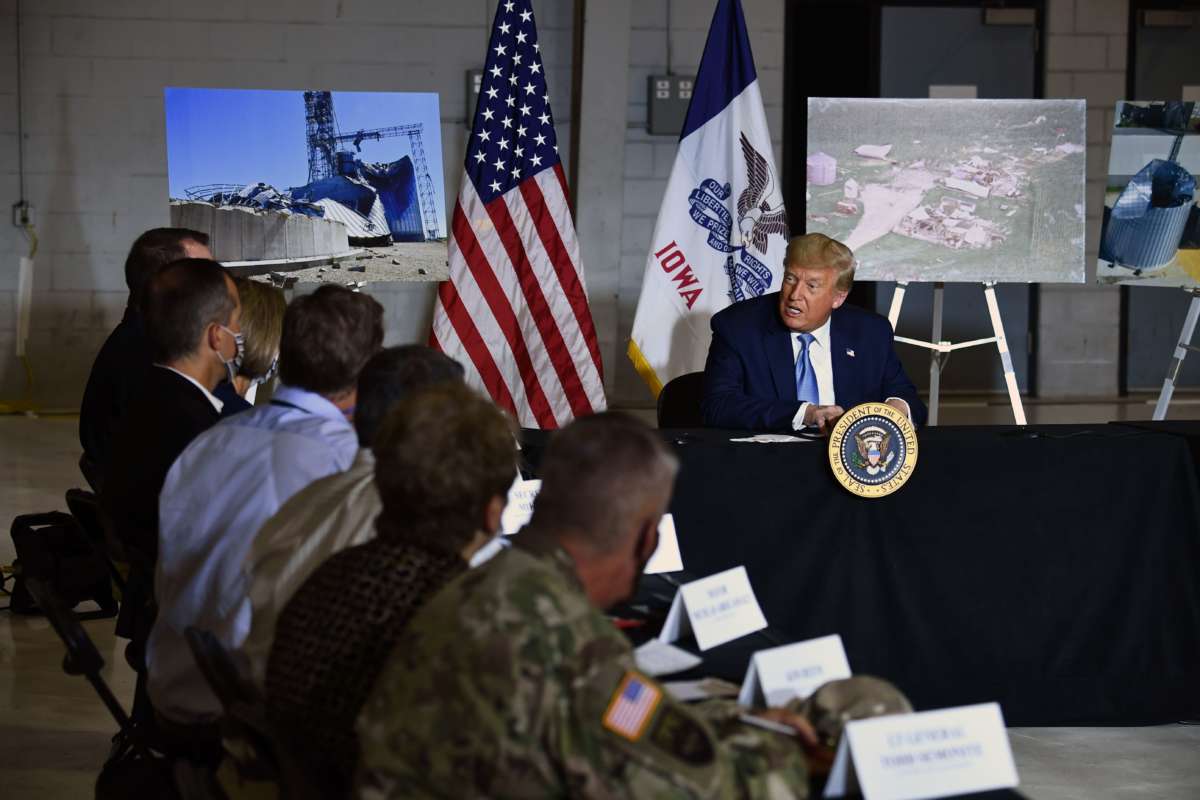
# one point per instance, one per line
(823, 418)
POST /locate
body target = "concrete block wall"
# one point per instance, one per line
(95, 147)
(1079, 326)
(648, 159)
(96, 160)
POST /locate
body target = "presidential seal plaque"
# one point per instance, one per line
(873, 450)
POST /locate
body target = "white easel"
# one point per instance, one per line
(941, 349)
(1181, 351)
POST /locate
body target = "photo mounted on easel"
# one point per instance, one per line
(318, 186)
(1151, 231)
(951, 190)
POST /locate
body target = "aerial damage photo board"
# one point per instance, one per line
(315, 185)
(1151, 231)
(950, 190)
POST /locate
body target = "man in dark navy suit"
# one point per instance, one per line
(122, 363)
(797, 358)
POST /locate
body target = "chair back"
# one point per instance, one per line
(219, 668)
(679, 402)
(265, 754)
(85, 508)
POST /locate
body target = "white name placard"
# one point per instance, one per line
(667, 557)
(924, 756)
(717, 609)
(519, 508)
(777, 675)
(660, 658)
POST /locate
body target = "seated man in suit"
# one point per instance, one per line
(192, 327)
(191, 315)
(797, 358)
(125, 356)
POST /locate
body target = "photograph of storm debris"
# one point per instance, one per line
(950, 190)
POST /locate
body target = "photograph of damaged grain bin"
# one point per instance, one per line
(311, 185)
(1151, 233)
(950, 190)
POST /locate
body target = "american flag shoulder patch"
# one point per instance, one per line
(632, 706)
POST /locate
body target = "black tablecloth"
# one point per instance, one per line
(1053, 569)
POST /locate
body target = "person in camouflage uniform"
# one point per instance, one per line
(511, 683)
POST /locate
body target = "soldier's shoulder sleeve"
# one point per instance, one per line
(625, 729)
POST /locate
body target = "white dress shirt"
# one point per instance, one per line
(821, 357)
(217, 402)
(217, 495)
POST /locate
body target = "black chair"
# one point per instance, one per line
(85, 508)
(82, 656)
(91, 472)
(679, 402)
(259, 751)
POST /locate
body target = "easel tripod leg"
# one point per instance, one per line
(897, 302)
(936, 357)
(1010, 375)
(1185, 339)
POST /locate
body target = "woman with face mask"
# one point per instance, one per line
(257, 345)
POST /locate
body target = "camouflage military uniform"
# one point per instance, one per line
(509, 684)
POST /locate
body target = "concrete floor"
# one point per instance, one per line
(54, 733)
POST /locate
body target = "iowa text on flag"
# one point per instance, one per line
(514, 311)
(722, 229)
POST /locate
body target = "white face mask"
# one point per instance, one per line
(271, 370)
(234, 364)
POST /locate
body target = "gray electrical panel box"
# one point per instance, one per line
(474, 87)
(668, 99)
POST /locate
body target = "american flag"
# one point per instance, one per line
(515, 310)
(632, 706)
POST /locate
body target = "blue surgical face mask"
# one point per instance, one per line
(234, 364)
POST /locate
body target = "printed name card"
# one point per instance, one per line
(924, 756)
(519, 508)
(667, 557)
(717, 609)
(777, 675)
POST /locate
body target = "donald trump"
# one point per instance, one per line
(797, 358)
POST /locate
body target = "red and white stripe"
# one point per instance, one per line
(514, 311)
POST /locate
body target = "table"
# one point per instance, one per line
(1053, 569)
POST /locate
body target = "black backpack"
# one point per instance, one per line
(54, 547)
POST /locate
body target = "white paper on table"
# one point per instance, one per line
(702, 689)
(659, 658)
(489, 551)
(518, 510)
(666, 557)
(772, 438)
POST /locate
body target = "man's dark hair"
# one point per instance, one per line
(395, 373)
(327, 338)
(181, 300)
(152, 250)
(442, 453)
(597, 475)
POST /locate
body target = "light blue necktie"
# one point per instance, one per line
(806, 378)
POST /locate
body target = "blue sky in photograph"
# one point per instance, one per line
(249, 135)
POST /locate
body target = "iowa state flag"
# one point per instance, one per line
(722, 229)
